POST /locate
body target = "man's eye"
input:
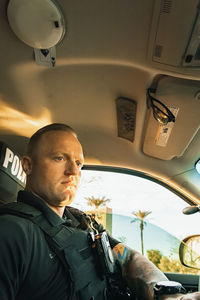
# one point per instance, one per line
(78, 163)
(58, 158)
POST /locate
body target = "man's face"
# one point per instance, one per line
(56, 168)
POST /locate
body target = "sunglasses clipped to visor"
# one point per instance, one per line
(161, 112)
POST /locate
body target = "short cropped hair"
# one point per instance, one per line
(33, 142)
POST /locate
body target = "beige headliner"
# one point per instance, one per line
(106, 53)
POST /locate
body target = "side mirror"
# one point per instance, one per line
(189, 251)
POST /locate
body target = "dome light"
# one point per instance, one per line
(38, 23)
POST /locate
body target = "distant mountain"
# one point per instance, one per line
(154, 237)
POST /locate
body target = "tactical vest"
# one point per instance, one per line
(72, 247)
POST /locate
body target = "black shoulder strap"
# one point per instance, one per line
(19, 209)
(55, 236)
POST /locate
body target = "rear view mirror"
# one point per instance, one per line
(189, 251)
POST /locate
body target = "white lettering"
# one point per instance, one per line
(21, 174)
(15, 165)
(8, 158)
(23, 180)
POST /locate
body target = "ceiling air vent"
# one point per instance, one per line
(158, 51)
(126, 118)
(167, 5)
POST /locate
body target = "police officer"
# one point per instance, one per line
(31, 265)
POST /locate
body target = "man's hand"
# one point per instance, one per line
(193, 296)
(189, 296)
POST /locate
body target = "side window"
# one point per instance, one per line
(140, 213)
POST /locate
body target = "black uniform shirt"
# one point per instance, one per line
(28, 268)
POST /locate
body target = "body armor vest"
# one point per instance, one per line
(73, 247)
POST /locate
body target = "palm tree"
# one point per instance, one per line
(97, 202)
(140, 216)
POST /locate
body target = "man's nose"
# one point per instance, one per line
(71, 168)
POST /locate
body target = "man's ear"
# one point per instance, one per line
(26, 162)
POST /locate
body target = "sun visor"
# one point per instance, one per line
(182, 98)
(12, 177)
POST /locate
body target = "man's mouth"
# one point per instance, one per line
(68, 183)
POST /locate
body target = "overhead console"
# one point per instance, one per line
(175, 36)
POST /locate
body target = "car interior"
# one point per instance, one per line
(126, 76)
